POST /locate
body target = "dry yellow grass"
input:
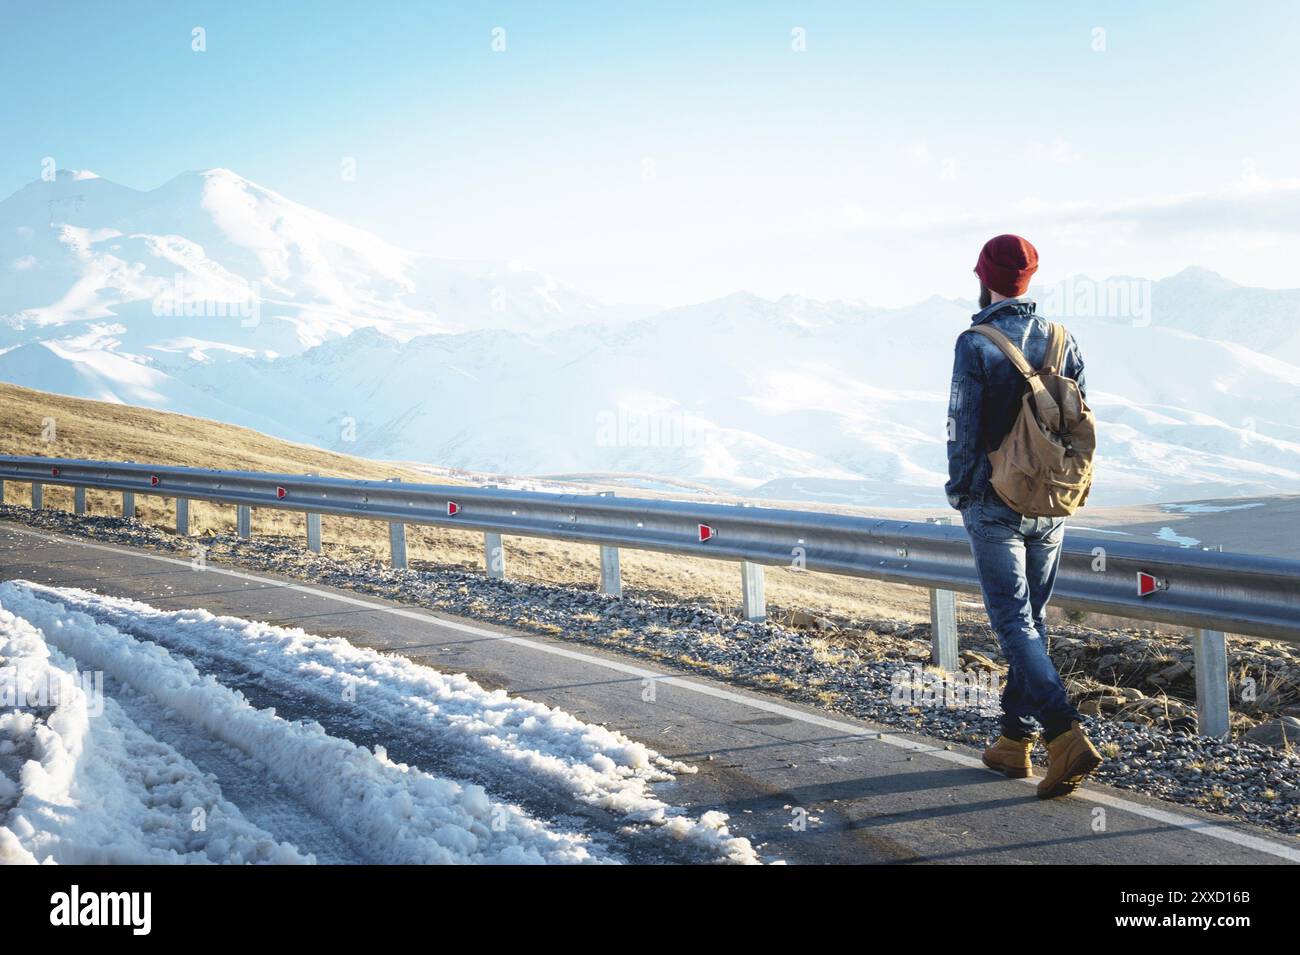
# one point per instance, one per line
(104, 431)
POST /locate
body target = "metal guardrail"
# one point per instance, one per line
(1212, 592)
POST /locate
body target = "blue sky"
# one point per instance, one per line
(668, 152)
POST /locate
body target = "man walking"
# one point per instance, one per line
(1015, 555)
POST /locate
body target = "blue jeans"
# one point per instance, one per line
(1016, 558)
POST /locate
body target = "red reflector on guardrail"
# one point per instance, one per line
(707, 533)
(54, 472)
(452, 508)
(153, 480)
(279, 491)
(1148, 584)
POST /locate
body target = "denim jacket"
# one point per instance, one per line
(987, 391)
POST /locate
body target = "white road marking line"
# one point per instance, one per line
(1214, 830)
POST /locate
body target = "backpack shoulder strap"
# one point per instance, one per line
(1055, 359)
(1044, 403)
(1014, 354)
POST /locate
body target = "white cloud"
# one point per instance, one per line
(1248, 228)
(1246, 205)
(920, 152)
(1057, 151)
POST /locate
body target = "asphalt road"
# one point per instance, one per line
(871, 794)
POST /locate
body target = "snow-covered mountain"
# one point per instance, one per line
(1195, 300)
(212, 262)
(369, 349)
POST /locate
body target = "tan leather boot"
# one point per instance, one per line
(1070, 757)
(1011, 757)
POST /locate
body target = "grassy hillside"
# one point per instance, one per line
(104, 431)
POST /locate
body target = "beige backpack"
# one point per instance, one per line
(1043, 468)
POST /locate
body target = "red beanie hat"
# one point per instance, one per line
(1006, 264)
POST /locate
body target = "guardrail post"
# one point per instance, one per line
(313, 526)
(753, 603)
(397, 545)
(397, 540)
(38, 496)
(1211, 654)
(244, 520)
(79, 500)
(128, 504)
(2, 491)
(943, 623)
(494, 553)
(943, 629)
(494, 556)
(183, 516)
(611, 574)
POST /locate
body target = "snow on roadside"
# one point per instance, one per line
(70, 808)
(81, 783)
(595, 765)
